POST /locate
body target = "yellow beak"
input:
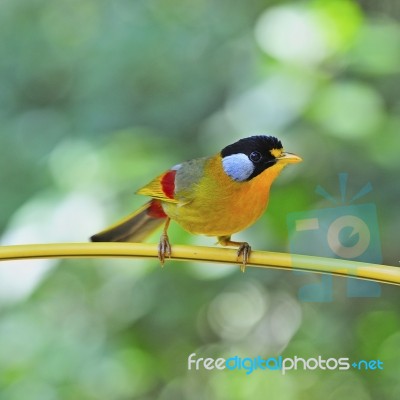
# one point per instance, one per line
(288, 158)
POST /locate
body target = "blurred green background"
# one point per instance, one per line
(97, 98)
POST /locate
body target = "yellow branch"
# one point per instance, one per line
(262, 259)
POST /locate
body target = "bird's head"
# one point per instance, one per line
(249, 157)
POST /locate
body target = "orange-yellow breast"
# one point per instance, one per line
(221, 206)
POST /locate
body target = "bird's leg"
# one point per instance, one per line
(164, 248)
(244, 249)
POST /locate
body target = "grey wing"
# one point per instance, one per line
(188, 174)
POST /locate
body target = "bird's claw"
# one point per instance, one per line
(164, 249)
(244, 251)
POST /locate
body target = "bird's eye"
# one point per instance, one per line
(255, 156)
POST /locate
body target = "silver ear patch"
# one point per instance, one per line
(238, 167)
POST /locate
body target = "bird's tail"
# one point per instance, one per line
(136, 227)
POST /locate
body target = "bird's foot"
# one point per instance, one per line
(164, 249)
(244, 249)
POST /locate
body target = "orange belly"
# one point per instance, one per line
(221, 206)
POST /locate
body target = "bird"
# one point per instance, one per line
(213, 196)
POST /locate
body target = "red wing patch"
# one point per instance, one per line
(155, 210)
(168, 183)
